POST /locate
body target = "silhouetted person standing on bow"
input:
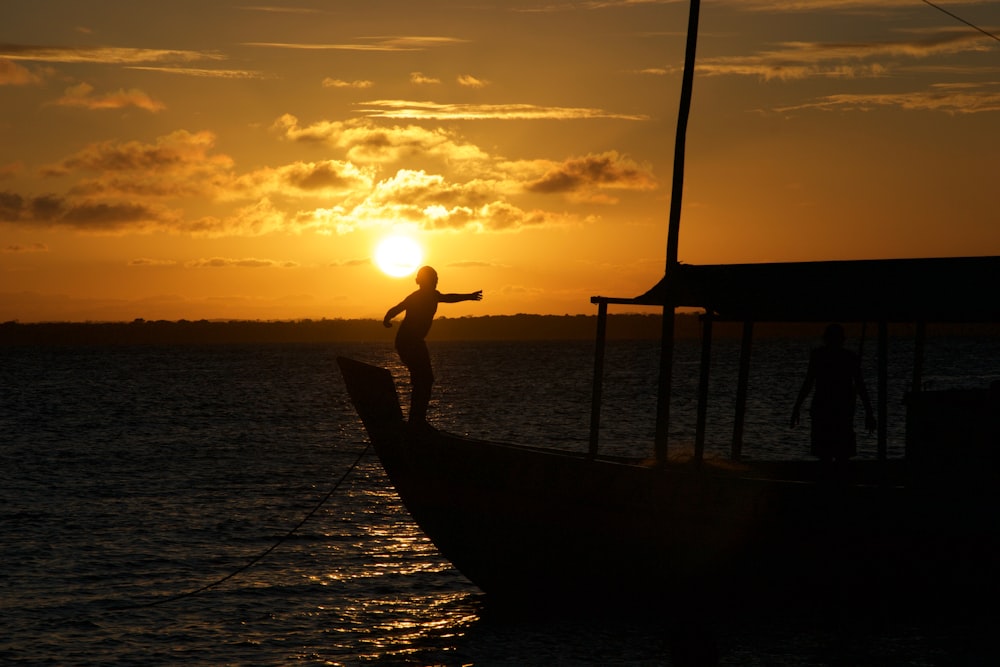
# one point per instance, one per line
(835, 374)
(420, 307)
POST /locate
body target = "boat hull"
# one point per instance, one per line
(526, 523)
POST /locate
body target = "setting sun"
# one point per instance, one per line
(398, 256)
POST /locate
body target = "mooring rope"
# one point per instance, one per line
(256, 559)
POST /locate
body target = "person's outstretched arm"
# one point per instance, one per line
(392, 312)
(455, 298)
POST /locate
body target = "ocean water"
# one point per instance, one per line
(143, 491)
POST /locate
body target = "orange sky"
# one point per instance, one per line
(222, 160)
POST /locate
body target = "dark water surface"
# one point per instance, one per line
(131, 475)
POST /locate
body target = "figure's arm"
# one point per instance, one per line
(455, 298)
(392, 312)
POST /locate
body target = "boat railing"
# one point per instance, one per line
(665, 380)
(746, 344)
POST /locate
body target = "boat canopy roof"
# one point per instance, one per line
(941, 289)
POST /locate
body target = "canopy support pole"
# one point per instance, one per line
(742, 385)
(703, 377)
(598, 386)
(918, 357)
(664, 382)
(883, 390)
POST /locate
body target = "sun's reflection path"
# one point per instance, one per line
(391, 596)
(391, 626)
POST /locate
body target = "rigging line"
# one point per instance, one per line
(256, 559)
(959, 18)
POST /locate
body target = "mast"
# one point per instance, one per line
(673, 234)
(680, 141)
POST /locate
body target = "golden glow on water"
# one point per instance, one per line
(401, 634)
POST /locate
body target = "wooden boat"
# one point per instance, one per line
(530, 524)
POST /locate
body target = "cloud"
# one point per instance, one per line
(801, 60)
(244, 263)
(788, 70)
(257, 219)
(147, 261)
(585, 177)
(358, 261)
(366, 143)
(131, 186)
(184, 164)
(429, 202)
(474, 264)
(319, 132)
(329, 82)
(99, 216)
(178, 164)
(433, 202)
(280, 10)
(591, 5)
(470, 81)
(12, 74)
(867, 6)
(122, 187)
(201, 72)
(11, 170)
(31, 247)
(176, 151)
(388, 44)
(104, 54)
(419, 79)
(125, 187)
(81, 95)
(405, 109)
(326, 178)
(96, 217)
(950, 98)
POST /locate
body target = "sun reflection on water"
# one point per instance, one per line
(392, 628)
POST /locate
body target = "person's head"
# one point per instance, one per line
(834, 335)
(427, 277)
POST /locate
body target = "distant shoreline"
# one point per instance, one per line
(486, 328)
